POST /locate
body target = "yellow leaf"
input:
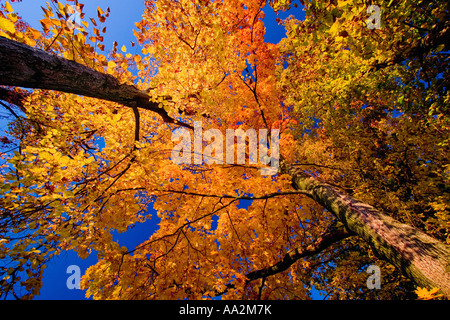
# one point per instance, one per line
(166, 108)
(45, 155)
(150, 50)
(8, 7)
(344, 3)
(81, 37)
(111, 65)
(61, 8)
(116, 118)
(68, 194)
(12, 17)
(30, 42)
(124, 49)
(335, 28)
(124, 65)
(7, 25)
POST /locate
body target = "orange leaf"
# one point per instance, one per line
(137, 58)
(36, 34)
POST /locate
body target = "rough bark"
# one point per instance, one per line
(24, 66)
(420, 257)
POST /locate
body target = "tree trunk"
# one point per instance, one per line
(420, 257)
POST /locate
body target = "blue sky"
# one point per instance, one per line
(120, 23)
(119, 28)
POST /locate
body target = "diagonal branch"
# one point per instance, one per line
(24, 66)
(293, 256)
(263, 197)
(322, 243)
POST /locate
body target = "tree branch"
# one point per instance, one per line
(24, 66)
(294, 255)
(188, 223)
(137, 125)
(266, 196)
(438, 35)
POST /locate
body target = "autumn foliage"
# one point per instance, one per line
(365, 111)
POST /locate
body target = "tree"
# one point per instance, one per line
(363, 175)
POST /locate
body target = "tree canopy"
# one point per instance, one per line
(363, 120)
